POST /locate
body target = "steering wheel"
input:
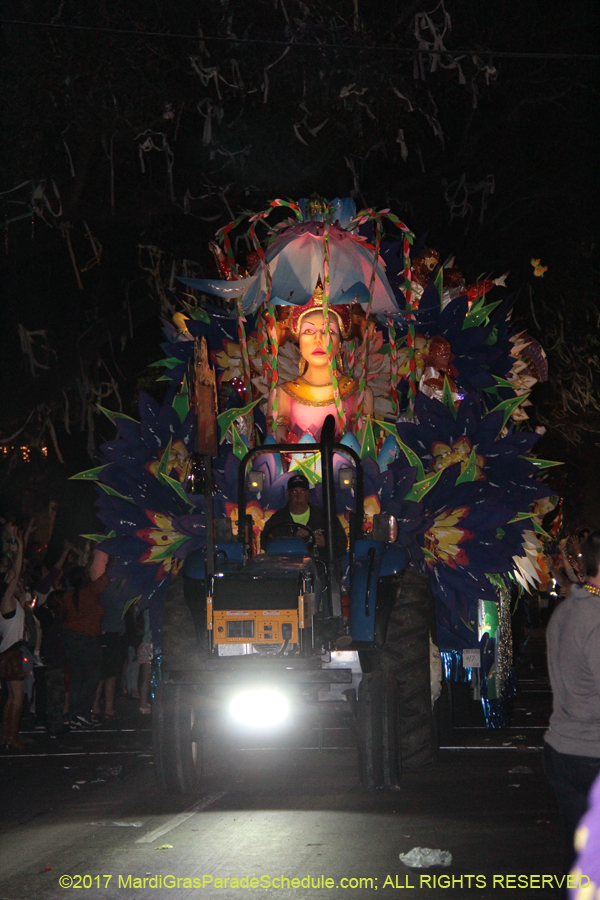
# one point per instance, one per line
(292, 529)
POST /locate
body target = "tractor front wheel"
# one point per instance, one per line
(176, 739)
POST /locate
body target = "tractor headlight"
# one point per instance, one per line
(259, 708)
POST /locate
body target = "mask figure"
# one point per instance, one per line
(304, 402)
(437, 369)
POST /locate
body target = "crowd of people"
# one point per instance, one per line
(68, 645)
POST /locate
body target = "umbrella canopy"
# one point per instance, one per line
(295, 261)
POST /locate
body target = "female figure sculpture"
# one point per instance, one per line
(304, 402)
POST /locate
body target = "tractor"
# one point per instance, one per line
(249, 639)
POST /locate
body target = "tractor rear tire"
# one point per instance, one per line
(184, 641)
(406, 655)
(377, 717)
(176, 739)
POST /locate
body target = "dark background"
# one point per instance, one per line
(78, 105)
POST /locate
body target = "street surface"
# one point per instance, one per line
(282, 814)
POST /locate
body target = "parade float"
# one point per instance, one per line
(331, 311)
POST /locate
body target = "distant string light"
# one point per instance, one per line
(400, 51)
(23, 451)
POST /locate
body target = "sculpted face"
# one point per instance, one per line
(440, 352)
(313, 345)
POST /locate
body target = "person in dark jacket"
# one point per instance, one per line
(297, 514)
(55, 662)
(82, 621)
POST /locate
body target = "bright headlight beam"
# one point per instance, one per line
(259, 708)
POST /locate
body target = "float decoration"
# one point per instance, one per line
(440, 451)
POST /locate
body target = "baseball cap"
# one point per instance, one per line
(298, 481)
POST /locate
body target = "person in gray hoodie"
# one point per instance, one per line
(572, 742)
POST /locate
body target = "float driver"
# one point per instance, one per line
(297, 514)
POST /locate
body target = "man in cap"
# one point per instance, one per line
(298, 515)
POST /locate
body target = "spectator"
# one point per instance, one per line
(49, 578)
(53, 655)
(12, 630)
(82, 622)
(131, 669)
(572, 743)
(112, 647)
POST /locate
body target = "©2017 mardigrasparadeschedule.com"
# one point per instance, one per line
(317, 882)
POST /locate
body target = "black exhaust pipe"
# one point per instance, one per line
(335, 588)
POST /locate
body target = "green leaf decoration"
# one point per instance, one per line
(164, 462)
(89, 474)
(113, 493)
(492, 338)
(466, 624)
(196, 312)
(420, 488)
(308, 461)
(168, 550)
(478, 304)
(176, 486)
(239, 447)
(226, 418)
(412, 458)
(479, 316)
(368, 447)
(520, 517)
(389, 427)
(98, 538)
(410, 454)
(305, 467)
(508, 407)
(448, 399)
(539, 530)
(503, 382)
(170, 363)
(493, 392)
(130, 603)
(110, 414)
(543, 463)
(181, 401)
(429, 556)
(439, 283)
(500, 533)
(470, 473)
(496, 579)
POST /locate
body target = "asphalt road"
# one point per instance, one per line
(287, 813)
